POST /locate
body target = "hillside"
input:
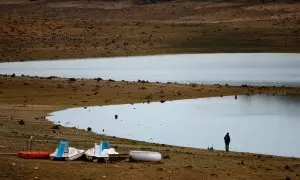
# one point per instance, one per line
(45, 29)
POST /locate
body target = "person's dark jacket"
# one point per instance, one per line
(227, 139)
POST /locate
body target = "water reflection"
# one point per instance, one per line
(236, 68)
(261, 124)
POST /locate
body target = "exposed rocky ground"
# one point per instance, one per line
(47, 29)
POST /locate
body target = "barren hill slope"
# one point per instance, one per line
(31, 30)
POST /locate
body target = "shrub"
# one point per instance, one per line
(72, 79)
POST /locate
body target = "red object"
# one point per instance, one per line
(34, 154)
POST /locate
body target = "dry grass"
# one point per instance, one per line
(72, 29)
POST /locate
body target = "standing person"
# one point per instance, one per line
(227, 141)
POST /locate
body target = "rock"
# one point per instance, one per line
(160, 169)
(98, 79)
(72, 79)
(166, 156)
(36, 168)
(21, 122)
(189, 166)
(288, 168)
(55, 126)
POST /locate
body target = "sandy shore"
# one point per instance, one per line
(47, 29)
(31, 98)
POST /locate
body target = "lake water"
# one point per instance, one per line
(234, 69)
(259, 124)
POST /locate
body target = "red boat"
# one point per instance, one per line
(34, 154)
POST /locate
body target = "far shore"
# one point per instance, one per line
(80, 92)
(65, 29)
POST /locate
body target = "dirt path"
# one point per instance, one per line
(31, 99)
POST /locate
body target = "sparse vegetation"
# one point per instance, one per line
(194, 85)
(56, 126)
(72, 79)
(21, 122)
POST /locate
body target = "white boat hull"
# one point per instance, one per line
(148, 156)
(72, 154)
(90, 153)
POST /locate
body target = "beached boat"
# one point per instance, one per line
(148, 156)
(64, 152)
(101, 151)
(34, 154)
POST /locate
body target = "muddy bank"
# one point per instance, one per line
(84, 92)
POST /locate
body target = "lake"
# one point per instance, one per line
(233, 68)
(258, 124)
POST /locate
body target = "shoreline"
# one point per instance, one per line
(165, 144)
(144, 55)
(96, 89)
(31, 98)
(173, 145)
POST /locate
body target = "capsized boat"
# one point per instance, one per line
(147, 156)
(101, 151)
(34, 154)
(64, 152)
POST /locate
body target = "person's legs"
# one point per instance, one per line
(227, 147)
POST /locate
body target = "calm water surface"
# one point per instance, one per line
(235, 69)
(259, 124)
